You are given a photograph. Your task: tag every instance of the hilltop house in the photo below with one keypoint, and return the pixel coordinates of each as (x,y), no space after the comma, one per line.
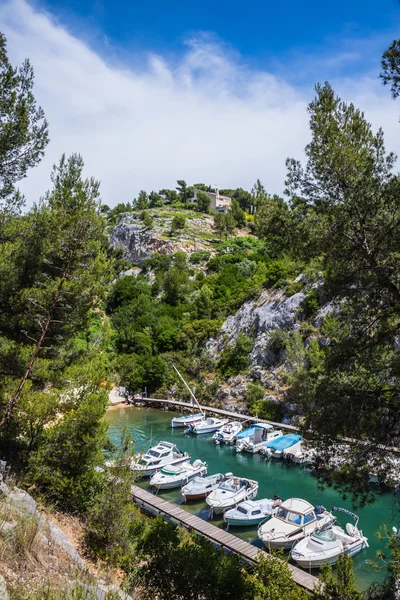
(218,202)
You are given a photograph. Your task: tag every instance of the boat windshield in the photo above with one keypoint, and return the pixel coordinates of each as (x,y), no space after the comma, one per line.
(154,453)
(241,510)
(325,535)
(289,516)
(227,485)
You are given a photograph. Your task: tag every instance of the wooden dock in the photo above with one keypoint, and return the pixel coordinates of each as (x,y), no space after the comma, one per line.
(216,535)
(212,410)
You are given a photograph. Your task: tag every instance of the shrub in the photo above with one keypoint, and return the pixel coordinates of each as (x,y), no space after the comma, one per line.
(246,268)
(200,256)
(294,288)
(178,222)
(310,304)
(235,359)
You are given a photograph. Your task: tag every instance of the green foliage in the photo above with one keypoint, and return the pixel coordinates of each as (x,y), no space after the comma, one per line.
(203,202)
(390,74)
(310,304)
(63,468)
(155,200)
(142,201)
(246,268)
(23,130)
(235,358)
(224,224)
(277,340)
(294,288)
(238,214)
(167,556)
(278,272)
(178,222)
(201,256)
(339,587)
(184,192)
(112,519)
(272,580)
(147,220)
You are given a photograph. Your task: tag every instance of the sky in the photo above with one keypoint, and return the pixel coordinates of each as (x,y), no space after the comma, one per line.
(150,91)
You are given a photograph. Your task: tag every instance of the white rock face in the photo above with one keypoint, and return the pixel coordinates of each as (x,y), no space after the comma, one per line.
(257,319)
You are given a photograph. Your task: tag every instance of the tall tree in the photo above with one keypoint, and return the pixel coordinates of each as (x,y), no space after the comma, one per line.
(350,216)
(142,201)
(390,73)
(23,128)
(57,270)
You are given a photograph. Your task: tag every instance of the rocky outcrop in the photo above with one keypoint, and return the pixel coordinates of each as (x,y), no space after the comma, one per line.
(139,242)
(271,312)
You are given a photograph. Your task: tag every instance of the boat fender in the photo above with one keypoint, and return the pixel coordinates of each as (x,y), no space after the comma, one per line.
(350,529)
(319,509)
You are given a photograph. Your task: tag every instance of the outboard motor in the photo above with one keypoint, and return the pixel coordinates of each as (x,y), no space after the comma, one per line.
(218,438)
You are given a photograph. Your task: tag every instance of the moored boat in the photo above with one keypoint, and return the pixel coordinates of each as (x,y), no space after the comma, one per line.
(173,476)
(187,420)
(164,453)
(201,487)
(229,493)
(208,425)
(275,448)
(294,520)
(326,544)
(227,434)
(253,439)
(252,512)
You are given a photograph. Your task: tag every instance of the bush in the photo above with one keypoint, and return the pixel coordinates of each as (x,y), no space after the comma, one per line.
(178,222)
(310,304)
(294,288)
(201,256)
(235,359)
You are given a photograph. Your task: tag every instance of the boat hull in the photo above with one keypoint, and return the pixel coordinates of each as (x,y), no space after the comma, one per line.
(186,421)
(313,561)
(245,522)
(151,470)
(174,483)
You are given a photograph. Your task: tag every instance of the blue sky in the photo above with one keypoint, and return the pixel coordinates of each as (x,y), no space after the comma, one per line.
(153,91)
(271,35)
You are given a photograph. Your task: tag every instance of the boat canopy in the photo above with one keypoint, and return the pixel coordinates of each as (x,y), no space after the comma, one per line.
(254,428)
(284,441)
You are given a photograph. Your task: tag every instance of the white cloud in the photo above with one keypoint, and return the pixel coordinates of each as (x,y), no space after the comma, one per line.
(208,118)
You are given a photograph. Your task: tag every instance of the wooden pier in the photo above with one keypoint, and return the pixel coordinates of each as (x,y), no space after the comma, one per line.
(217,536)
(212,410)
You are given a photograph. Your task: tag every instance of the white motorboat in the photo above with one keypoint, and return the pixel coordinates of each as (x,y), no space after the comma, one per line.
(325,545)
(276,447)
(252,512)
(154,459)
(173,476)
(187,420)
(229,493)
(254,438)
(209,425)
(294,520)
(227,434)
(201,487)
(300,454)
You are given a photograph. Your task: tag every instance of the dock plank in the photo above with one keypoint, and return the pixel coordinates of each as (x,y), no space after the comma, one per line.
(215,534)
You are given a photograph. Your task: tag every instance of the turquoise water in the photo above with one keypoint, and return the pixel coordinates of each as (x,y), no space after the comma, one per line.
(149,426)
